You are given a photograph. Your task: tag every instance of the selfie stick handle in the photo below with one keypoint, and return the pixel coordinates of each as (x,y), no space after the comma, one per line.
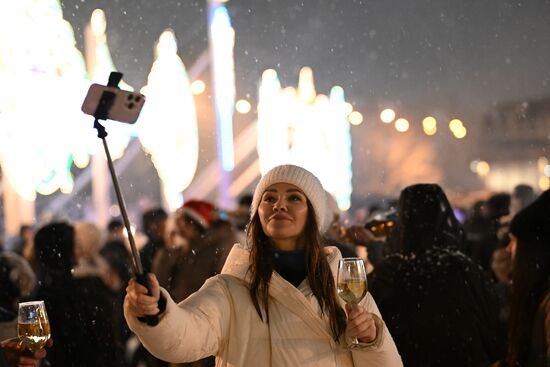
(101,113)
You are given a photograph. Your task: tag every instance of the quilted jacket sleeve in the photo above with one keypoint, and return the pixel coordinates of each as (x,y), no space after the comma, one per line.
(193,329)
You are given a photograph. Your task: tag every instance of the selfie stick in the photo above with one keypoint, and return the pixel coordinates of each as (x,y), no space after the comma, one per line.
(101,113)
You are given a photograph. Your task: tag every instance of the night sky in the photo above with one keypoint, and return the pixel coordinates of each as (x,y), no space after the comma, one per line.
(458,57)
(449,58)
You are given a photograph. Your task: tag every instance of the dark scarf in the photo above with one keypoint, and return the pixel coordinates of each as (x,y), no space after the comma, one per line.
(290,265)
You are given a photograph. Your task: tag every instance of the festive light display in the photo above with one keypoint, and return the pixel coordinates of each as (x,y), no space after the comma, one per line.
(307,129)
(167,126)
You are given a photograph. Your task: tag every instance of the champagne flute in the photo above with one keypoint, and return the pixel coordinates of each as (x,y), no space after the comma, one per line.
(33,327)
(352,284)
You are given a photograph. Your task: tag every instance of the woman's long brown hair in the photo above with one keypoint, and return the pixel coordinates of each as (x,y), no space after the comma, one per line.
(318,271)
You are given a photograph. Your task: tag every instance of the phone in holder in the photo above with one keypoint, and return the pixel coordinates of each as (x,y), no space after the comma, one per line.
(125,108)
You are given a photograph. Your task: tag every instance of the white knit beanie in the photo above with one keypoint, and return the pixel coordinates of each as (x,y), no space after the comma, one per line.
(299,177)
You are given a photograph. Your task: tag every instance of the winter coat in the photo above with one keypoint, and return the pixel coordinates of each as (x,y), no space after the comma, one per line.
(439,307)
(183,272)
(220,319)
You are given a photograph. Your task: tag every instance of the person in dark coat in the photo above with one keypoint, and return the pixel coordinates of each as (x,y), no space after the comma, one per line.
(154,223)
(80,311)
(529,322)
(183,269)
(439,306)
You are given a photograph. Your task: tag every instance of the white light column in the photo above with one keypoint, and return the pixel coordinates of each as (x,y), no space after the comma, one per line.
(221,40)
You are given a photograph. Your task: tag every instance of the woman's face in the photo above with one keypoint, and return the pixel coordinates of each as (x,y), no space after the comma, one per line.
(283,214)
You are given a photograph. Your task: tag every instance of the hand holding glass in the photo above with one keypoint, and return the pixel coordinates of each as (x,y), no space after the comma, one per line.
(33,327)
(352,283)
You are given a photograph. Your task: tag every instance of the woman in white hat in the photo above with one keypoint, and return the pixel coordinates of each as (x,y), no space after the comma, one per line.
(275,301)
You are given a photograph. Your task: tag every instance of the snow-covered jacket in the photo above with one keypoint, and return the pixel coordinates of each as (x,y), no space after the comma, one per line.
(220,319)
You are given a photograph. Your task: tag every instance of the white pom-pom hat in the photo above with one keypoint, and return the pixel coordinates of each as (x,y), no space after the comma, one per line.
(299,177)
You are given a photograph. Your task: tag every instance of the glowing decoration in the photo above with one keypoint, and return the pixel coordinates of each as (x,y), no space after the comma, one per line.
(483,168)
(100,65)
(198,87)
(243,106)
(355,118)
(455,125)
(401,125)
(311,130)
(167,126)
(39,67)
(429,124)
(460,132)
(387,116)
(222,39)
(544,183)
(348,108)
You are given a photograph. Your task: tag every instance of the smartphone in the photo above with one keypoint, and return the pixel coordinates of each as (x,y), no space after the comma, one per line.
(126,106)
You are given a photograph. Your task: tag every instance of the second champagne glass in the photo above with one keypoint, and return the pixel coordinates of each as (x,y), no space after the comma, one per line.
(352,283)
(33,326)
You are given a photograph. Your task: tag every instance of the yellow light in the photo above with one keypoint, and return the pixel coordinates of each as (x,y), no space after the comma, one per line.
(455,124)
(544,183)
(348,108)
(460,132)
(473,166)
(429,123)
(198,87)
(99,23)
(401,125)
(542,162)
(355,118)
(483,168)
(387,116)
(430,131)
(243,106)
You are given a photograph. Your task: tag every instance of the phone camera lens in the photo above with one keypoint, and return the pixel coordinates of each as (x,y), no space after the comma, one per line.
(130,97)
(131,105)
(137,99)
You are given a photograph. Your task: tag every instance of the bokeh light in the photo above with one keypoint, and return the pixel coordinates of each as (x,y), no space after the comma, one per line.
(355,118)
(387,116)
(198,87)
(401,125)
(243,106)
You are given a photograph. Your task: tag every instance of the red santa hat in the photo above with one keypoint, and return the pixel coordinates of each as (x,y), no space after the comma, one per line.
(202,212)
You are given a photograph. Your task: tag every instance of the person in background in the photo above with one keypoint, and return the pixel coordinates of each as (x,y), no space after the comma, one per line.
(116,253)
(153,223)
(80,311)
(529,322)
(17,280)
(439,306)
(275,302)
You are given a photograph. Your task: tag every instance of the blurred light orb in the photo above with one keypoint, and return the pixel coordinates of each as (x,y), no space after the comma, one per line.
(355,118)
(455,124)
(429,123)
(460,132)
(387,116)
(544,183)
(430,131)
(198,87)
(401,125)
(98,22)
(114,211)
(483,168)
(473,166)
(348,108)
(542,162)
(243,106)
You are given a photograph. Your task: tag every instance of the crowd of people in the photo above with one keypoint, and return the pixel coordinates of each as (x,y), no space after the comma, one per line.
(257,286)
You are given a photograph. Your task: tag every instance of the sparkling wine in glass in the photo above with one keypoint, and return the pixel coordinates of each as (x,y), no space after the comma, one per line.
(352,283)
(33,327)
